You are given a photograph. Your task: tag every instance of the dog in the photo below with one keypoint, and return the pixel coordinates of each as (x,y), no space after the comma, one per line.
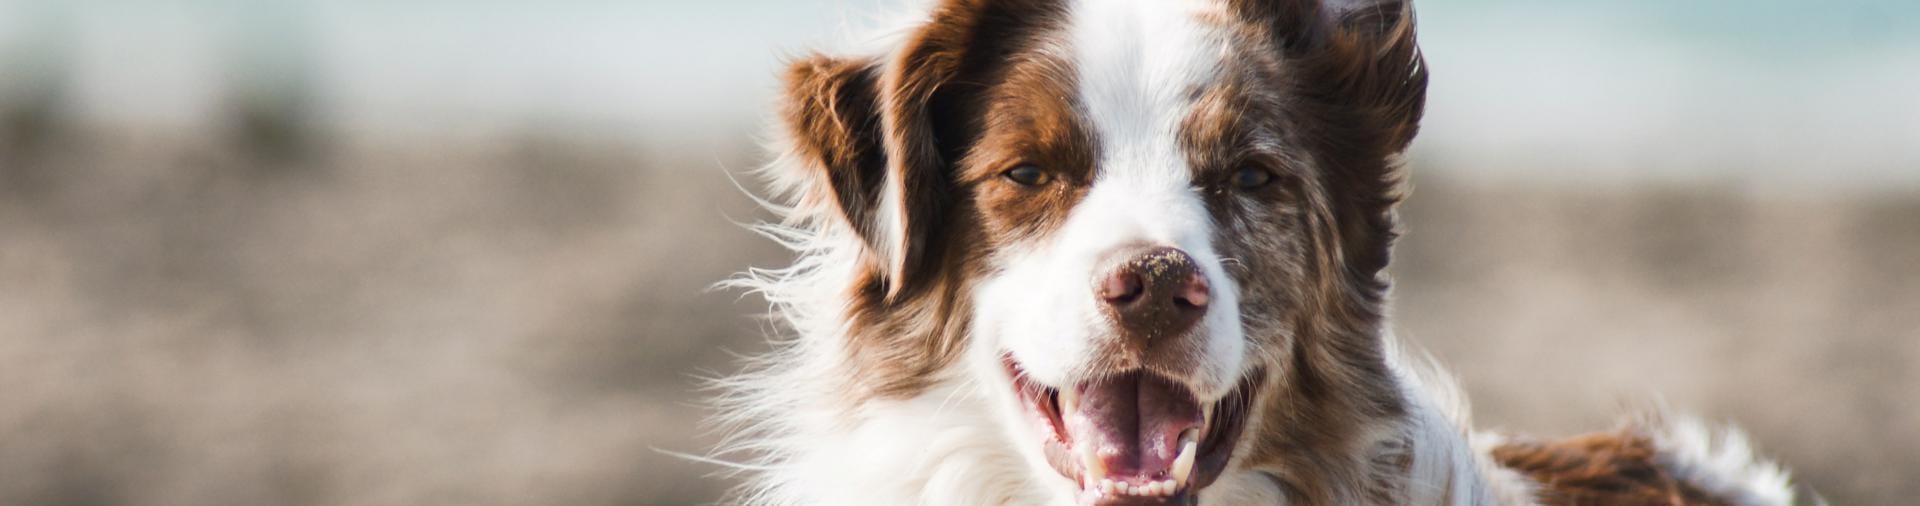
(1107,252)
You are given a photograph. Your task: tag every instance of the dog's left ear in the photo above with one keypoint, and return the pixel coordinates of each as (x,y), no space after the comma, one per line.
(1359,56)
(1374,75)
(1361,72)
(1373,65)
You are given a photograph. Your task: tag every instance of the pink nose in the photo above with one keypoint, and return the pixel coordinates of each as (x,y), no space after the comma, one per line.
(1154,291)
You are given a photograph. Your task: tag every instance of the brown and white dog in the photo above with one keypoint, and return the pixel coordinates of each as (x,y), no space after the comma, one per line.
(1130,252)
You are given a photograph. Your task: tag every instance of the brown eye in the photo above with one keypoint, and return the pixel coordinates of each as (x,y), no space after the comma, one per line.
(1027,175)
(1248,178)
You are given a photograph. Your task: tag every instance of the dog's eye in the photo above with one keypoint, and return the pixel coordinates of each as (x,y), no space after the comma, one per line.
(1027,175)
(1248,178)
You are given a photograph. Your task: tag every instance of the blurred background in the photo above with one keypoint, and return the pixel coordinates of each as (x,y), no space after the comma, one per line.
(458,252)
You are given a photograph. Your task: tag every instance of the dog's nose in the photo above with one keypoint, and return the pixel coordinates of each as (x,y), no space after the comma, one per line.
(1154,291)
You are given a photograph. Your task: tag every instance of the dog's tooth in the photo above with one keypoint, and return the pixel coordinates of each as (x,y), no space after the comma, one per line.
(1069,400)
(1109,486)
(1183,462)
(1167,487)
(1090,461)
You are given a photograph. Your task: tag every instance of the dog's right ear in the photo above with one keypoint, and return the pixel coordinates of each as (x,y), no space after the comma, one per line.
(879,134)
(869,159)
(871,132)
(833,124)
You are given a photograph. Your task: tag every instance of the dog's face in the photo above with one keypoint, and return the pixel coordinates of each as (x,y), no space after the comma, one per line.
(1131,222)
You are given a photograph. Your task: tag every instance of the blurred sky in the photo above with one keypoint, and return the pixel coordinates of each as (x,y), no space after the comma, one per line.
(1774,93)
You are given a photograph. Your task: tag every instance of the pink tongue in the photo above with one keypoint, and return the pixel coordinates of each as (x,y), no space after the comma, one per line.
(1133,423)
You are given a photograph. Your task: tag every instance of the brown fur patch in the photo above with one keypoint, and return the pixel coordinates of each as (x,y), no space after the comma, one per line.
(1614,468)
(830,112)
(1029,119)
(969,83)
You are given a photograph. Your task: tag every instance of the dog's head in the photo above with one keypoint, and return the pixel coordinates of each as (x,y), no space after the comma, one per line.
(1146,227)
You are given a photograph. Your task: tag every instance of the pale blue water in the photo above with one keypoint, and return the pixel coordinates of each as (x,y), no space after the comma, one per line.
(1638,87)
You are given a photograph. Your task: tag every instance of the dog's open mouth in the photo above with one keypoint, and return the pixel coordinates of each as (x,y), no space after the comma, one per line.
(1137,437)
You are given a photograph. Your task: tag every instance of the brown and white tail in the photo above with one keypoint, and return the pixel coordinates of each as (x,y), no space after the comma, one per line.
(1655,459)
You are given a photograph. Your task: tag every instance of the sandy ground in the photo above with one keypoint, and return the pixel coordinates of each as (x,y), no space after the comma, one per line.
(524,321)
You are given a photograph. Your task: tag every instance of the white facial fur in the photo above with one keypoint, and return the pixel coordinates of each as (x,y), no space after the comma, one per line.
(1138,62)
